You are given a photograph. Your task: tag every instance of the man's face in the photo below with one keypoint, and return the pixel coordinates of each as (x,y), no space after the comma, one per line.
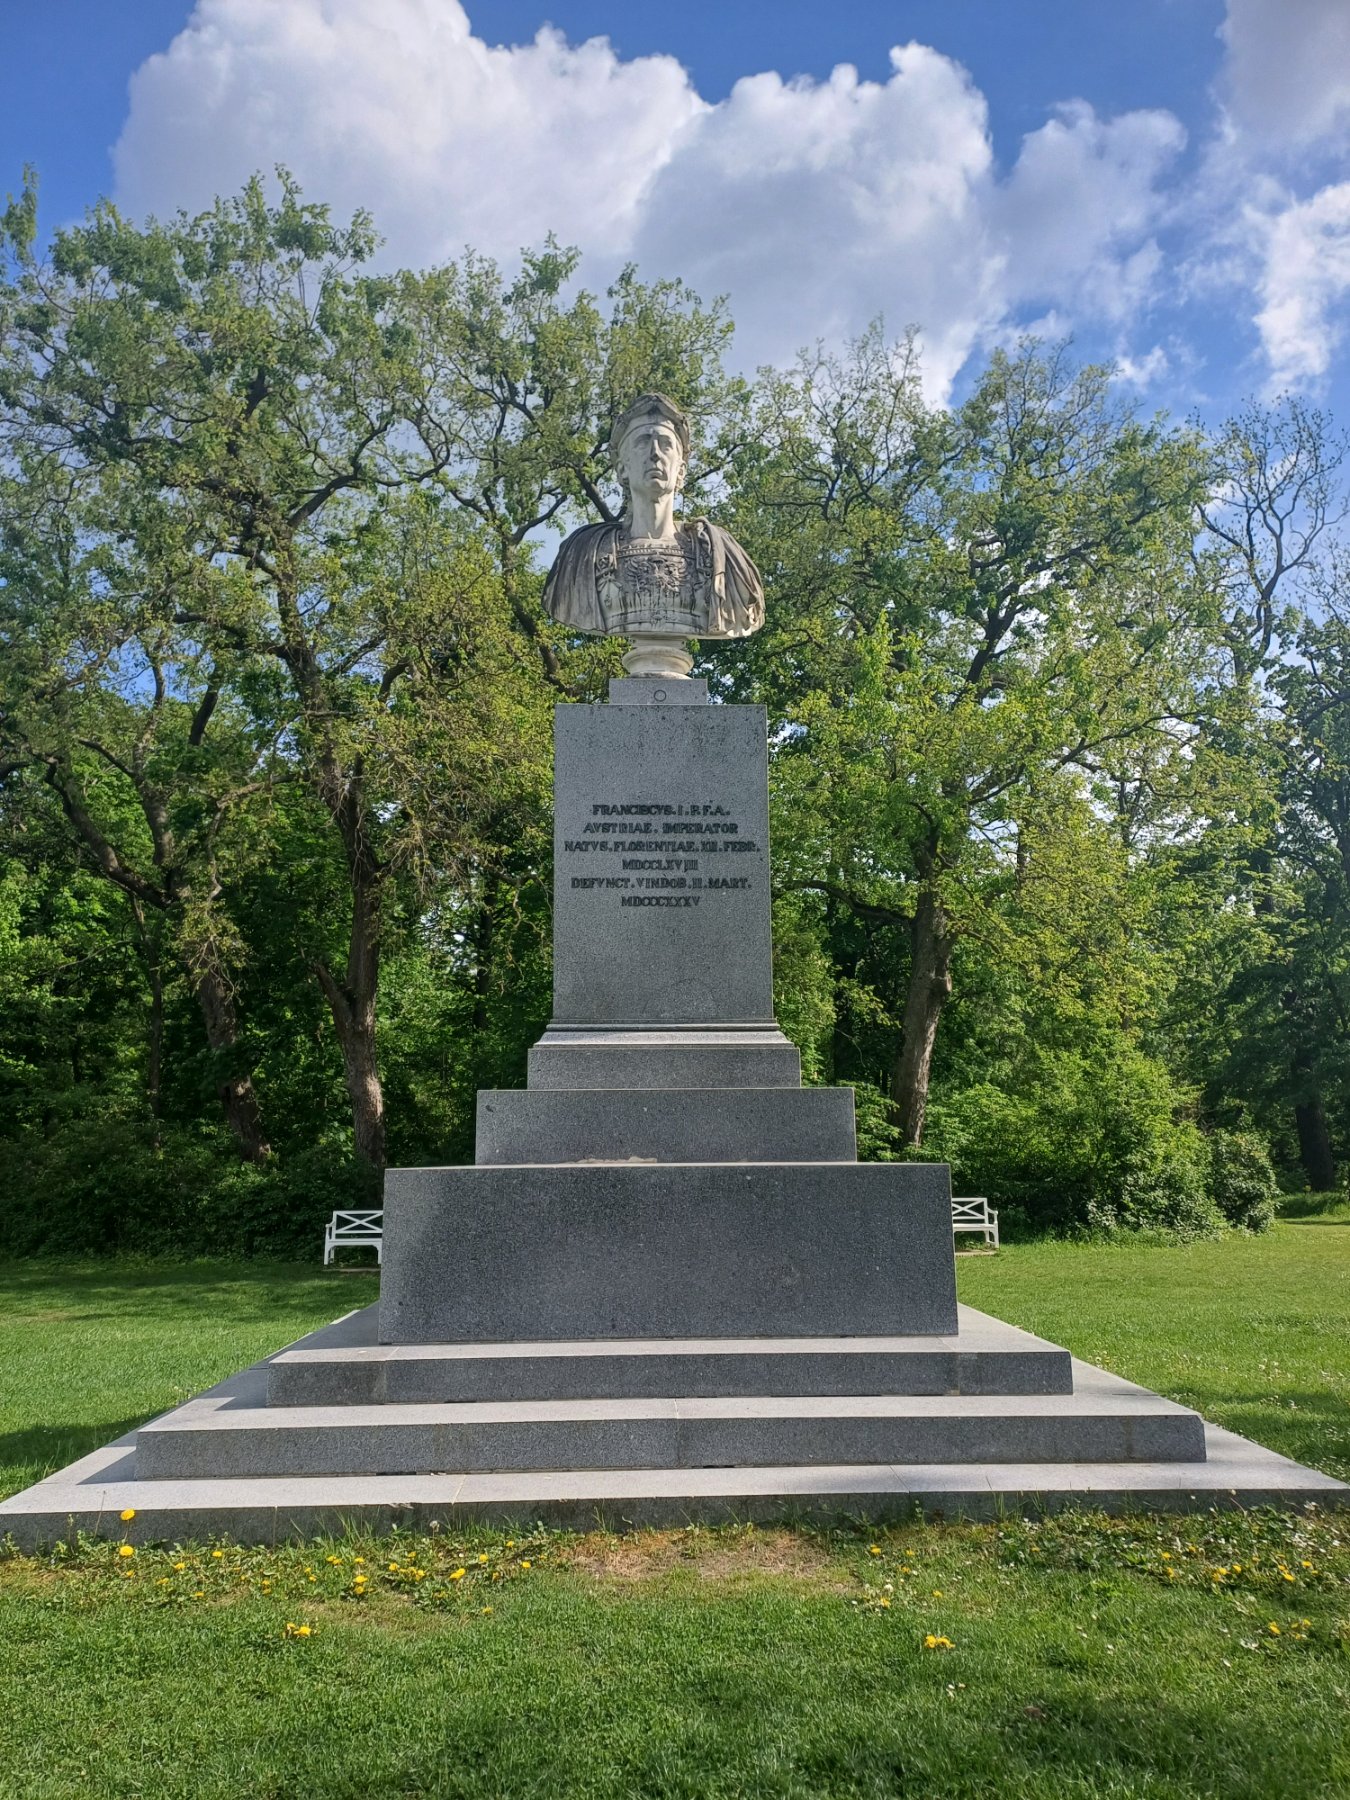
(652,459)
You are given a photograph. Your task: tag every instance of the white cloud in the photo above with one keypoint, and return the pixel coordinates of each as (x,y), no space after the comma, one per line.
(1287,73)
(819,205)
(1080,204)
(1144,371)
(396,106)
(1271,204)
(815,205)
(1306,273)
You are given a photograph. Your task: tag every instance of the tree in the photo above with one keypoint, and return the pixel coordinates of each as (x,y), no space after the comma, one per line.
(123,722)
(992,604)
(229,402)
(335,477)
(1268,545)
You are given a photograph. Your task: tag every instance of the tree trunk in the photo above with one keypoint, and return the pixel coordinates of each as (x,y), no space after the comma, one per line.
(484,935)
(1314,1145)
(352,1004)
(930,986)
(215,997)
(154,1072)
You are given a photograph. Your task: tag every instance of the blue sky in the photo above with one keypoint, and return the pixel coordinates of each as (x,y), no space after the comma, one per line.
(1167,180)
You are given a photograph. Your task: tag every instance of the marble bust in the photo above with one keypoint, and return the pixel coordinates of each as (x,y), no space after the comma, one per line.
(650,577)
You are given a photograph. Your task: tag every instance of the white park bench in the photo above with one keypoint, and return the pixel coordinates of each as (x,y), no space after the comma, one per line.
(976,1215)
(353,1228)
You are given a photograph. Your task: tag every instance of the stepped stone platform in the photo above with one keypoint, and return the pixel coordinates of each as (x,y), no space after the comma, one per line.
(666,1290)
(226,1462)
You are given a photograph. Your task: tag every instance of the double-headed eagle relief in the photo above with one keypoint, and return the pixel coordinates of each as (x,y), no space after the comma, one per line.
(648,576)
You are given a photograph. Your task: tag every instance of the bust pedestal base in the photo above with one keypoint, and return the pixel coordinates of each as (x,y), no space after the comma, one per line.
(667,656)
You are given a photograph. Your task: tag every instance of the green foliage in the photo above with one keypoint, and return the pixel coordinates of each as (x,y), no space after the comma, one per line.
(1075,1143)
(102,1185)
(1056,693)
(1242,1180)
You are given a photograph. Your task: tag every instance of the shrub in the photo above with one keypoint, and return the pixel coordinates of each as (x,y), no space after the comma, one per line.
(103,1186)
(1241,1180)
(1070,1142)
(878,1134)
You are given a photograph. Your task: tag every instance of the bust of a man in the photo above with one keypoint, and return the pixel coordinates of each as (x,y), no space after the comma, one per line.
(648,576)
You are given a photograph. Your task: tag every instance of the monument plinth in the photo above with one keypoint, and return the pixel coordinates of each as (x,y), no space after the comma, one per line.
(666,1290)
(664,1174)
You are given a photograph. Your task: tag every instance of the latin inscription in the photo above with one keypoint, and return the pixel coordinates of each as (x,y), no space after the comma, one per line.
(669,855)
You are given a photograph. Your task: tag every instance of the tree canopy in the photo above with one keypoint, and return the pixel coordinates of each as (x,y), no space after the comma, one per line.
(1057,697)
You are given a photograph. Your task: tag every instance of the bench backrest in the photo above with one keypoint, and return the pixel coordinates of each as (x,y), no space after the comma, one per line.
(357,1224)
(971,1209)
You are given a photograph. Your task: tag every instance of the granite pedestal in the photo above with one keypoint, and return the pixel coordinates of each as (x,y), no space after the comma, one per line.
(666,1290)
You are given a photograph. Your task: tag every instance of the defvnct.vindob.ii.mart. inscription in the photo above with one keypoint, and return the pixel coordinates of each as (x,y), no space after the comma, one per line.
(662,849)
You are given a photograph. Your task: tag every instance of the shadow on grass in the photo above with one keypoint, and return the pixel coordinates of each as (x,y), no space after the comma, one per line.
(703,1728)
(256,1292)
(30,1456)
(1299,1209)
(1310,1428)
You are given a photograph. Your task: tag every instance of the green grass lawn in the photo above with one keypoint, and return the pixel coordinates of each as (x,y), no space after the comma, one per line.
(89,1350)
(1074,1657)
(1254,1332)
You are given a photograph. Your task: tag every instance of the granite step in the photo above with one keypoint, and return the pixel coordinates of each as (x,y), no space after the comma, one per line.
(575,1057)
(92,1494)
(213,1437)
(985,1358)
(674,1125)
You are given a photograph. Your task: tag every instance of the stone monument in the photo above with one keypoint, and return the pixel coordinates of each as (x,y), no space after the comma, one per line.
(664,1150)
(666,1289)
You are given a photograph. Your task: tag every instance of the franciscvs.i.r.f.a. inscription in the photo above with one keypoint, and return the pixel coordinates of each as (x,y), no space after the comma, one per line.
(670,854)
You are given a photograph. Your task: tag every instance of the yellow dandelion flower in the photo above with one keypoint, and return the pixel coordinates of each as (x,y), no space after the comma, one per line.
(874,1550)
(1273,1629)
(127,1512)
(179,1567)
(457,1575)
(937,1593)
(358,1560)
(216,1555)
(884,1601)
(526,1565)
(510,1544)
(126,1550)
(482,1556)
(486,1610)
